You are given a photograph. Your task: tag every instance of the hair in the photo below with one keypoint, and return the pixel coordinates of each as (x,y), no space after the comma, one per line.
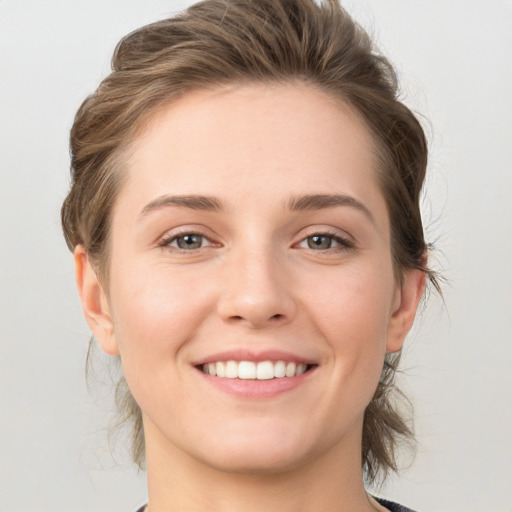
(222,42)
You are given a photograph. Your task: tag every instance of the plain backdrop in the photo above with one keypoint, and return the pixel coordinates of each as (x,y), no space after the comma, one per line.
(454,61)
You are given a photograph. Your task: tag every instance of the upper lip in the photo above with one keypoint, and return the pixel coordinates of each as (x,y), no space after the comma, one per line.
(255,356)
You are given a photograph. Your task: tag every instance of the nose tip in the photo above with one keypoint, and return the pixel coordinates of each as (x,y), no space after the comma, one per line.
(257,319)
(257,296)
(256,314)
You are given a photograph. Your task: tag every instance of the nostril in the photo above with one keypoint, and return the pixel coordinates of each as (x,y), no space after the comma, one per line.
(277,316)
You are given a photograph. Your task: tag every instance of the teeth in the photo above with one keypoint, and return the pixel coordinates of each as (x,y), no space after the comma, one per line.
(280,369)
(247,370)
(221,369)
(231,369)
(264,370)
(290,369)
(301,368)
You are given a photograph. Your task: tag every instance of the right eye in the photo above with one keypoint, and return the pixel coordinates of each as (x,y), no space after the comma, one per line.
(187,241)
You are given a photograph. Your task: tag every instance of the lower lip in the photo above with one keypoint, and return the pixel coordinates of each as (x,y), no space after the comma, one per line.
(257,388)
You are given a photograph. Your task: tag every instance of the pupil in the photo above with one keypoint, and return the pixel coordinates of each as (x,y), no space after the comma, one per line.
(319,242)
(189,242)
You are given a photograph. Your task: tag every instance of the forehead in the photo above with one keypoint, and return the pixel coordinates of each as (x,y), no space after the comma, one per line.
(253,140)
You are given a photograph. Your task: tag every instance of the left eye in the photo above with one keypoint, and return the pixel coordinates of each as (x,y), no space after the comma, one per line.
(188,241)
(322,242)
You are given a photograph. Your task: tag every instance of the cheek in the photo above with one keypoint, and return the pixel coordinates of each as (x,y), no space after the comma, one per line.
(358,303)
(154,312)
(354,317)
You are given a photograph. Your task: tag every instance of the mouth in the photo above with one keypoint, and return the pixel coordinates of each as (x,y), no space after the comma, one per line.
(251,370)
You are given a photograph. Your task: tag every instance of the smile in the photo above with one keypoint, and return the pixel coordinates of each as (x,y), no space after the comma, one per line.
(249,370)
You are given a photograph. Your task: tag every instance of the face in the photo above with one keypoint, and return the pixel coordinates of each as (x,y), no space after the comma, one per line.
(251,291)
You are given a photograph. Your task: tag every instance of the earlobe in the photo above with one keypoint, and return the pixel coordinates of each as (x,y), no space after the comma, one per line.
(402,319)
(94,302)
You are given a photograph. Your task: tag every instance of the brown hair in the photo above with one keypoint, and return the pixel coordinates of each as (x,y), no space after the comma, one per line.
(220,42)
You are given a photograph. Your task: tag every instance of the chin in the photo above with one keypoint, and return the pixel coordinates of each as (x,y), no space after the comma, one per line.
(269,451)
(256,461)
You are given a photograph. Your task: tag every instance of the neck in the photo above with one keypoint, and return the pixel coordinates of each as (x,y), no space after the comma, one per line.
(178,482)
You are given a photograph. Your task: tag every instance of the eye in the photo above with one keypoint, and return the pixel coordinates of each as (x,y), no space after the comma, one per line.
(325,241)
(319,242)
(187,241)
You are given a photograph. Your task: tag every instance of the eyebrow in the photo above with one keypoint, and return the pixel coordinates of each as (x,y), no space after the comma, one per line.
(194,202)
(299,203)
(321,201)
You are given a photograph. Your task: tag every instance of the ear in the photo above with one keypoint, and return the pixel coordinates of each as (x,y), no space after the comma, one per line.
(94,302)
(404,309)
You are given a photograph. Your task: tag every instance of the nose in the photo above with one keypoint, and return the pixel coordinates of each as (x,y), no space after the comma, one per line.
(256,292)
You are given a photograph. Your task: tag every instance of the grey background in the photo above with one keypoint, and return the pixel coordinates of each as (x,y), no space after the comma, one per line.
(455,64)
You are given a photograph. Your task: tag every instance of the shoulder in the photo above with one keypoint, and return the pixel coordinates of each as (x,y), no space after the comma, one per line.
(393,507)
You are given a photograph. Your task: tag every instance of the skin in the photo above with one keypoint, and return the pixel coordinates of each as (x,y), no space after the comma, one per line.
(257,283)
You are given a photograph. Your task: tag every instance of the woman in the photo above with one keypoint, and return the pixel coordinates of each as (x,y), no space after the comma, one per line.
(244,216)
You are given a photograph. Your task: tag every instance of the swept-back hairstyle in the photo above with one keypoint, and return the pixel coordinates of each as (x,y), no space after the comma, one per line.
(220,42)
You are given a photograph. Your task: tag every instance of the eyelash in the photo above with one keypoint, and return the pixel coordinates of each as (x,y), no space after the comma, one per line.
(344,244)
